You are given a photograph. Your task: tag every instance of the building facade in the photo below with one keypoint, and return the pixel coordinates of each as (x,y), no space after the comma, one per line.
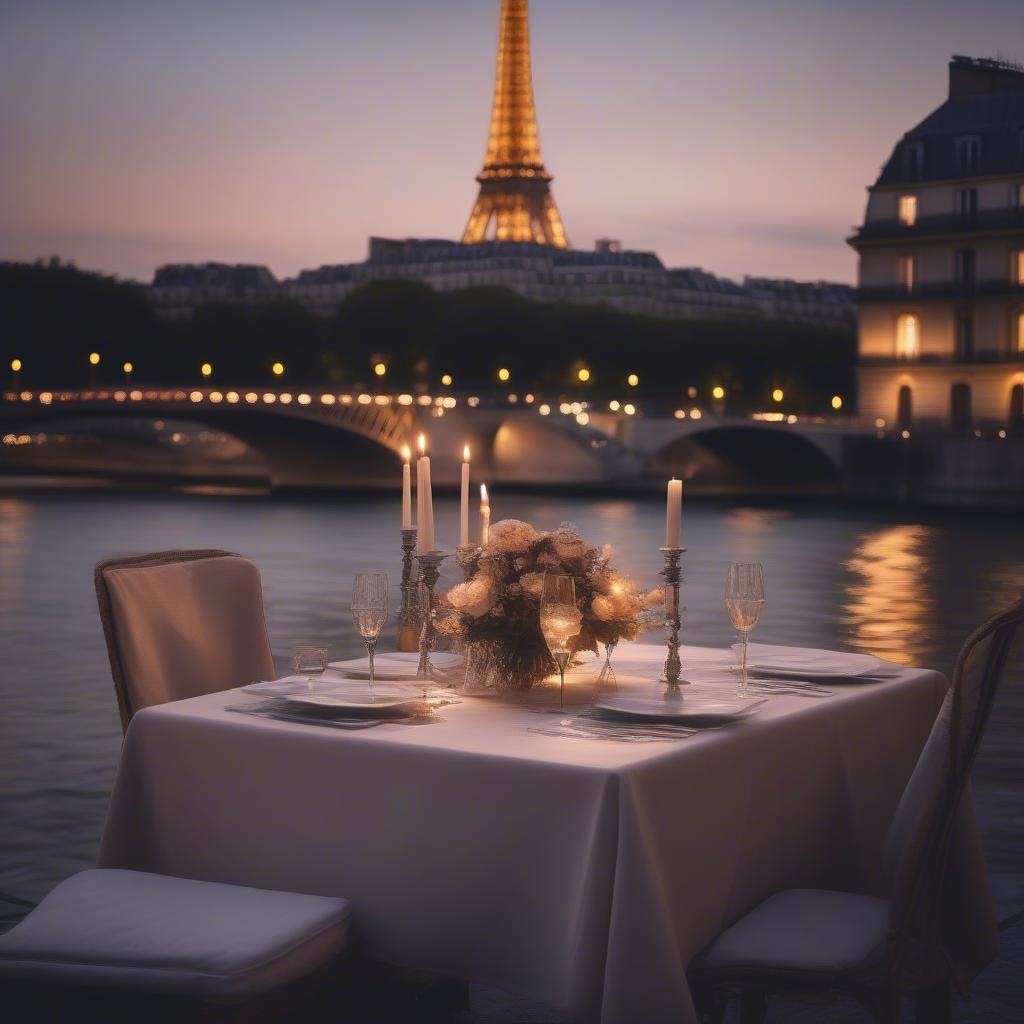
(941,275)
(627,280)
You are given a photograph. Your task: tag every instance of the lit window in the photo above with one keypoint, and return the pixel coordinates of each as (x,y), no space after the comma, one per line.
(905,272)
(1017,268)
(908,210)
(907,336)
(1020,332)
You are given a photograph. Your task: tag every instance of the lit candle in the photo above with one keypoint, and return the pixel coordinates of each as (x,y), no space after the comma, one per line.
(464,509)
(424,502)
(485,516)
(406,489)
(673,513)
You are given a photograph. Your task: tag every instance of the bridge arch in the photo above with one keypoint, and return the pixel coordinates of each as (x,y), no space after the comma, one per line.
(746,454)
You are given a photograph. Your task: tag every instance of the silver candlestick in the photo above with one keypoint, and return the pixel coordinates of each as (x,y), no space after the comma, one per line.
(408,614)
(430,570)
(673,575)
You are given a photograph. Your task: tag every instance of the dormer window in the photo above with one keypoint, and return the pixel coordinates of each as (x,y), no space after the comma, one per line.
(968,153)
(913,160)
(908,209)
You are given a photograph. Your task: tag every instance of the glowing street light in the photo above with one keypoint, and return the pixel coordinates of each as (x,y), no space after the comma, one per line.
(837,402)
(206,369)
(718,392)
(778,395)
(583,375)
(632,380)
(446,380)
(15,366)
(128,368)
(614,405)
(380,369)
(504,374)
(94,359)
(277,369)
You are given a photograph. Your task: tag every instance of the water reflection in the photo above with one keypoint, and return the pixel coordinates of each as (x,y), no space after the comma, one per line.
(889,606)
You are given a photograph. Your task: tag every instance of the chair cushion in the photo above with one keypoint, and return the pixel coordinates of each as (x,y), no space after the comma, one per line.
(133,930)
(804,930)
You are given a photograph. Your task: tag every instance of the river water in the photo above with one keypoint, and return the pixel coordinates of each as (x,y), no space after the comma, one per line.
(907,586)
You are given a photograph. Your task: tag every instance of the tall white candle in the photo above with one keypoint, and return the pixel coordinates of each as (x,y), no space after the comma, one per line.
(424,502)
(673,513)
(485,516)
(464,508)
(406,489)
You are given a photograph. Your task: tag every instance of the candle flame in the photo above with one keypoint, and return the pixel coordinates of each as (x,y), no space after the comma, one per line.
(484,500)
(421,441)
(465,453)
(406,452)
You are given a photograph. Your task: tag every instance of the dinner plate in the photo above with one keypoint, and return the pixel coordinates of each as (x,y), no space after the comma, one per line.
(395,666)
(692,708)
(345,699)
(807,663)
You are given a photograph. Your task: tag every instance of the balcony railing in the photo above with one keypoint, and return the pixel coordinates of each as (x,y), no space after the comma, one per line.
(983,357)
(1009,219)
(940,290)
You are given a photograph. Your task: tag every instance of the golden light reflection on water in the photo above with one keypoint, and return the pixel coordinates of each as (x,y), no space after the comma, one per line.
(12,534)
(889,603)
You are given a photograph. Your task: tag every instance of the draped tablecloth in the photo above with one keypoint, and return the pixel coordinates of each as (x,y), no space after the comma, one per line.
(582,873)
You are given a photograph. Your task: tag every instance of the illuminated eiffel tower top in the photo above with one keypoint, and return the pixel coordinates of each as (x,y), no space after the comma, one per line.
(515,202)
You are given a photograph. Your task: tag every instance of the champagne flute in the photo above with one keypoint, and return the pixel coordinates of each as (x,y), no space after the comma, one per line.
(370,610)
(560,622)
(744,600)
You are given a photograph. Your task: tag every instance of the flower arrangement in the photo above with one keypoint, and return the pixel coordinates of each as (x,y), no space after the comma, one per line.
(498,606)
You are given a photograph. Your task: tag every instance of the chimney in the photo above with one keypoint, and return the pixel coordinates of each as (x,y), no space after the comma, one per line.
(975,76)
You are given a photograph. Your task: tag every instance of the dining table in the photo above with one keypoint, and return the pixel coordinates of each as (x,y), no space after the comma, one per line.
(583,872)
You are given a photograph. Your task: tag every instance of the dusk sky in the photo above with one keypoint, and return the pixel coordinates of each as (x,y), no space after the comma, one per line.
(737,135)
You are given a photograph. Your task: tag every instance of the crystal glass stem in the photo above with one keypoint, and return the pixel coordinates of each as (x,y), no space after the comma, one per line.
(370,647)
(561,659)
(744,635)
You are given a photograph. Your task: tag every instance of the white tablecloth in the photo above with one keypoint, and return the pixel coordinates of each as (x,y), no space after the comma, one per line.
(583,873)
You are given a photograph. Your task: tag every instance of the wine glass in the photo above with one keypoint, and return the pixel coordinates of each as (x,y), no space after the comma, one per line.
(606,681)
(370,610)
(309,659)
(560,622)
(744,600)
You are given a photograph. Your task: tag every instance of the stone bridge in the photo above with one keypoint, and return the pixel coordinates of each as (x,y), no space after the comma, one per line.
(326,439)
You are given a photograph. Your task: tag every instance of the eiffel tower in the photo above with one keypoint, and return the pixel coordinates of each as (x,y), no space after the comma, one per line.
(515,189)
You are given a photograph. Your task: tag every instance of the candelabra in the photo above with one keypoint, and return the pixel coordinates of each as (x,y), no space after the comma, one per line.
(408,614)
(673,575)
(430,570)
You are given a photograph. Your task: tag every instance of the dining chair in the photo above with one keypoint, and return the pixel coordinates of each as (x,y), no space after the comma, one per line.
(180,624)
(873,949)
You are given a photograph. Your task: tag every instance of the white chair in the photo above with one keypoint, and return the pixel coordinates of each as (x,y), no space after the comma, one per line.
(180,624)
(872,949)
(104,935)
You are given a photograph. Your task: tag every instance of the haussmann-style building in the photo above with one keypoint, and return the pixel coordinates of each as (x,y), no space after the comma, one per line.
(941,279)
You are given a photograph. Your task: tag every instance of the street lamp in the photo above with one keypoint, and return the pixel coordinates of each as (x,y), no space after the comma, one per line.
(277,369)
(632,380)
(206,370)
(446,380)
(15,372)
(778,395)
(583,374)
(503,374)
(718,392)
(837,403)
(128,368)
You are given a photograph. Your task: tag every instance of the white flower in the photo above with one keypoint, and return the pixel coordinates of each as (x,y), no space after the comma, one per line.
(475,597)
(512,536)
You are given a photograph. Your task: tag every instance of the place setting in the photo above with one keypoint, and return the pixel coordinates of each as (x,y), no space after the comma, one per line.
(356,693)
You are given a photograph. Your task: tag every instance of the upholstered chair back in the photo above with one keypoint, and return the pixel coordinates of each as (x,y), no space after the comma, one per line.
(918,839)
(180,624)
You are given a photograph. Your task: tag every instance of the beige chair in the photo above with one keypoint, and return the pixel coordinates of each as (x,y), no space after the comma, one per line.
(180,624)
(871,948)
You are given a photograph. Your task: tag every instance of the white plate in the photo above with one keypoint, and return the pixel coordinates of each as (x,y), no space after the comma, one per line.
(397,666)
(807,663)
(325,698)
(688,708)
